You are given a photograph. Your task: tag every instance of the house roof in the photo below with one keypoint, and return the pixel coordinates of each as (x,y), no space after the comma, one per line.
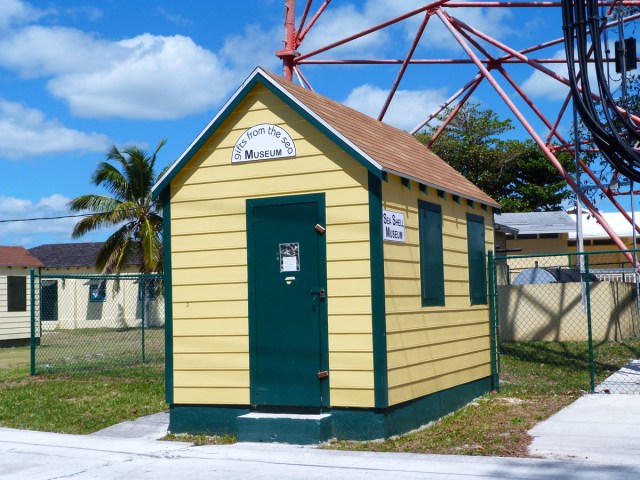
(592,229)
(67,255)
(378,146)
(538,222)
(17,257)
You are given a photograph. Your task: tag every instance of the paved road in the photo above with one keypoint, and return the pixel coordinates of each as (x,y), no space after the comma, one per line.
(36,455)
(595,438)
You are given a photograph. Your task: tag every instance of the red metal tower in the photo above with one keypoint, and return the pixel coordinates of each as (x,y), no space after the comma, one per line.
(479,49)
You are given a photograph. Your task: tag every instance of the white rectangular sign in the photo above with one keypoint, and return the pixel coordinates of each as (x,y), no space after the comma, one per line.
(393,226)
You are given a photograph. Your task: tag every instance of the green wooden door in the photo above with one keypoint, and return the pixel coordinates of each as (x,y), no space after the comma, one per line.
(287,279)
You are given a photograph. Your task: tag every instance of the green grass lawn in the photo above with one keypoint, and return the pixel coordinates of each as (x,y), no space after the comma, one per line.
(537,379)
(79,401)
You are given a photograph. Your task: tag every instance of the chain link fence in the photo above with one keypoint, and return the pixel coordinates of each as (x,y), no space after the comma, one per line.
(96,321)
(575,315)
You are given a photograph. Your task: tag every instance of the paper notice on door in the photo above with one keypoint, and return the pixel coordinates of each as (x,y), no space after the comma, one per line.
(289,264)
(289,257)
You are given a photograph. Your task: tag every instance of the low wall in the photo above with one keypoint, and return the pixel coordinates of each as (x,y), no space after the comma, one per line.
(555,312)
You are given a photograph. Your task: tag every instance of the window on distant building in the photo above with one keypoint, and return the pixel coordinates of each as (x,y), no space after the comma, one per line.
(98,291)
(16,294)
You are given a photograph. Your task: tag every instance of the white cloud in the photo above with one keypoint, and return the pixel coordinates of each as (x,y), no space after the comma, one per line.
(157,78)
(17,12)
(408,108)
(50,230)
(144,77)
(337,23)
(22,233)
(38,51)
(27,132)
(541,85)
(253,47)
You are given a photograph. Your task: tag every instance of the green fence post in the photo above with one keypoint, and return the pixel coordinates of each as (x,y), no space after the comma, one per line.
(495,380)
(32,340)
(144,298)
(589,330)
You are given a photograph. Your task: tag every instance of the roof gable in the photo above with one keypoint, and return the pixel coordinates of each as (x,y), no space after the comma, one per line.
(377,146)
(17,257)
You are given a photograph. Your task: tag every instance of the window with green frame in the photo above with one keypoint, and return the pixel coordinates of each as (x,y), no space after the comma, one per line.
(431,255)
(477,262)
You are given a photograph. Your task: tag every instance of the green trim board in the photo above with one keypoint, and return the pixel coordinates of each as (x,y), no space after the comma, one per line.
(261,374)
(205,419)
(378,313)
(477,260)
(431,254)
(341,423)
(168,294)
(259,77)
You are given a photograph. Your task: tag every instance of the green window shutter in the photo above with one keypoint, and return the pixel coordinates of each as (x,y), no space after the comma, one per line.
(16,294)
(477,262)
(431,256)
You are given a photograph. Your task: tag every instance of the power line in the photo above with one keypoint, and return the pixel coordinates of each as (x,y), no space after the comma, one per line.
(35,219)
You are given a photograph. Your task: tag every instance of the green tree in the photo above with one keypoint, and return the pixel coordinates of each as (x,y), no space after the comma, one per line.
(514,172)
(128,177)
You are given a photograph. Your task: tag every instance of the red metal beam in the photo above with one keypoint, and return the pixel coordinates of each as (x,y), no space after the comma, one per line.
(452,115)
(549,154)
(405,64)
(312,22)
(304,18)
(302,77)
(375,28)
(288,53)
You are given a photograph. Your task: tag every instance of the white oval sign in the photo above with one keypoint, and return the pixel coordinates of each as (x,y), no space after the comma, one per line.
(263,142)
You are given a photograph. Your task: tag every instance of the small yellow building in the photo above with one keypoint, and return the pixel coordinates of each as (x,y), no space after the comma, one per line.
(325,274)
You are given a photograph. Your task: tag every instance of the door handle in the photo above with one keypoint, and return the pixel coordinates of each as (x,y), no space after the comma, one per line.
(320,292)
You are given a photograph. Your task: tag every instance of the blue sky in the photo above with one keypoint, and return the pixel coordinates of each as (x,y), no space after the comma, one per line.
(77,77)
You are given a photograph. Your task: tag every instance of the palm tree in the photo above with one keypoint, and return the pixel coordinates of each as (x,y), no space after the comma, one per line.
(128,175)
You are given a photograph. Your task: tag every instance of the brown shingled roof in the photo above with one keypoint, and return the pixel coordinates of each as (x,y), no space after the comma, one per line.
(395,150)
(69,255)
(17,257)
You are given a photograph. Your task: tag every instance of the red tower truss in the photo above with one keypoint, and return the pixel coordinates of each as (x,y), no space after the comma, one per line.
(491,62)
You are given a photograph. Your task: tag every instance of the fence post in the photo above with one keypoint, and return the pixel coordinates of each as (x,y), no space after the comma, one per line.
(32,340)
(495,380)
(144,300)
(589,329)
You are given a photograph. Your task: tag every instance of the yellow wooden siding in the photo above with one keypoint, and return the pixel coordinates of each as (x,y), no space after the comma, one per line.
(432,348)
(209,258)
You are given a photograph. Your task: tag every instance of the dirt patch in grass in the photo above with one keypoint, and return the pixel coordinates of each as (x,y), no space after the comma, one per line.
(199,440)
(14,357)
(493,425)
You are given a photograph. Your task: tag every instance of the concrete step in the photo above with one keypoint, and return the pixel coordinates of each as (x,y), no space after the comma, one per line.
(284,428)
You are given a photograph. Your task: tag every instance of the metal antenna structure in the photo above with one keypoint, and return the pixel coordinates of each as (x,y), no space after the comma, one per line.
(486,65)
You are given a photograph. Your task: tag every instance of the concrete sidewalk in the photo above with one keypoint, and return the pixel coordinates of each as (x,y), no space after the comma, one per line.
(596,428)
(40,456)
(596,438)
